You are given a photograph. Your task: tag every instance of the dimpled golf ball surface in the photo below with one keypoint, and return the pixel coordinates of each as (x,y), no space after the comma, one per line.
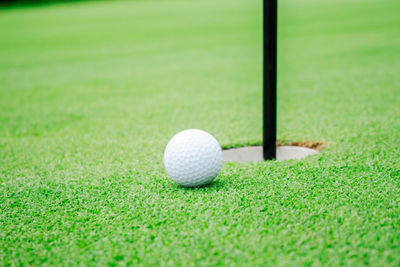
(193,158)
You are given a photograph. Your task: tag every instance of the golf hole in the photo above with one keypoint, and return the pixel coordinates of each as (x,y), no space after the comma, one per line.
(292,150)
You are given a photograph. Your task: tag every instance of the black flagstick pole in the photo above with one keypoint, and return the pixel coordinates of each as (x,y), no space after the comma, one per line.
(269,78)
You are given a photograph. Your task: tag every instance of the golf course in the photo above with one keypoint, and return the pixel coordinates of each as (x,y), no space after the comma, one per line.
(92,91)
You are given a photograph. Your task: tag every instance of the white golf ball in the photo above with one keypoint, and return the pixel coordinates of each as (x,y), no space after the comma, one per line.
(193,158)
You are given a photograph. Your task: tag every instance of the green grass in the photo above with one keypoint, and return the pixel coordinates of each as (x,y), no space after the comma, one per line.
(90,93)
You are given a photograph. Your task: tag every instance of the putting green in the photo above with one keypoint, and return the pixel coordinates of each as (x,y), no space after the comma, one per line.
(91,92)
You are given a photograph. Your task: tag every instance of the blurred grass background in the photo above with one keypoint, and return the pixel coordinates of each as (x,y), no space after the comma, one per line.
(33,3)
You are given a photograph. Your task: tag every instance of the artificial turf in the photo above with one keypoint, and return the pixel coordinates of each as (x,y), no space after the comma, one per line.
(91,92)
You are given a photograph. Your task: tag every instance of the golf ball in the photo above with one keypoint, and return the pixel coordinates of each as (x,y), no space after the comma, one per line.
(193,158)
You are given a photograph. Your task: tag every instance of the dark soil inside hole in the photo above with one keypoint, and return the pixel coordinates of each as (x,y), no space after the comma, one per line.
(316,145)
